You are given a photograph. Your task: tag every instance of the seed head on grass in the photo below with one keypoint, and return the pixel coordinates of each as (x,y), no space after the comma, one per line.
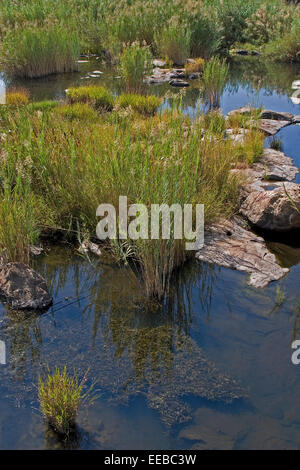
(60,396)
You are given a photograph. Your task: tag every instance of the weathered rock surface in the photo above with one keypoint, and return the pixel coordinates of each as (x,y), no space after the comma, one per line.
(237,135)
(242,110)
(277,210)
(276,116)
(231,245)
(23,288)
(272,126)
(159,63)
(275,166)
(296,120)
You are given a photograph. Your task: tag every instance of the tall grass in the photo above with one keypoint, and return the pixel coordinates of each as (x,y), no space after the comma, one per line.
(287,47)
(135,63)
(60,396)
(33,53)
(174,42)
(214,80)
(66,168)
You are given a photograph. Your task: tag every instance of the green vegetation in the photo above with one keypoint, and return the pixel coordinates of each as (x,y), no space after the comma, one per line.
(214,80)
(17,97)
(96,96)
(280,296)
(135,63)
(57,166)
(41,37)
(60,396)
(33,52)
(146,105)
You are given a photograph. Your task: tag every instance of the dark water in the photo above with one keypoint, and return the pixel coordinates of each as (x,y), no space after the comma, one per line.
(211,368)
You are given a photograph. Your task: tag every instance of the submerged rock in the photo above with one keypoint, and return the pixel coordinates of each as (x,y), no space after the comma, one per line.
(179,83)
(23,288)
(277,210)
(230,244)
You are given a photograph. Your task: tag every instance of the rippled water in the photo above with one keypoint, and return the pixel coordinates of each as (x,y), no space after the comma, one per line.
(211,368)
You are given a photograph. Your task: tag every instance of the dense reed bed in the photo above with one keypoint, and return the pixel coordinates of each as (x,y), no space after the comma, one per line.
(58,163)
(40,37)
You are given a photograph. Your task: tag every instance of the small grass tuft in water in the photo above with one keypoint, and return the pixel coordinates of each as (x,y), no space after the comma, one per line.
(60,396)
(135,63)
(197,66)
(276,143)
(97,96)
(214,79)
(280,296)
(146,105)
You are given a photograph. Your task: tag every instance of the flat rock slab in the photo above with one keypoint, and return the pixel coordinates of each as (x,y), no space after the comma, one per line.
(277,210)
(272,126)
(22,288)
(231,245)
(242,110)
(276,116)
(296,120)
(275,166)
(179,83)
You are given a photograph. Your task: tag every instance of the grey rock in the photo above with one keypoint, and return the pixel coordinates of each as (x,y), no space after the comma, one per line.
(276,116)
(242,110)
(274,210)
(231,245)
(296,120)
(272,126)
(23,288)
(159,63)
(179,83)
(275,166)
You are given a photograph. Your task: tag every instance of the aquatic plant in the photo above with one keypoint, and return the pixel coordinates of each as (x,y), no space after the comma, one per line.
(37,52)
(174,42)
(214,80)
(280,296)
(146,105)
(60,396)
(43,105)
(276,143)
(96,96)
(135,63)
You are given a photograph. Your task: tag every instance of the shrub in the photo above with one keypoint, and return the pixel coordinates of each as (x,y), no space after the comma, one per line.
(214,80)
(286,48)
(146,105)
(36,52)
(205,33)
(96,96)
(17,97)
(135,62)
(174,42)
(60,396)
(197,66)
(79,111)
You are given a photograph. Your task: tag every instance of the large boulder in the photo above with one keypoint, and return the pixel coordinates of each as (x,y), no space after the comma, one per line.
(272,126)
(276,116)
(278,209)
(23,288)
(228,243)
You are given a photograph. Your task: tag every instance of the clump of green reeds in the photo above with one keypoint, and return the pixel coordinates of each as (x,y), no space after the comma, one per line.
(214,80)
(146,105)
(37,52)
(81,111)
(97,96)
(60,396)
(135,63)
(43,105)
(174,42)
(195,66)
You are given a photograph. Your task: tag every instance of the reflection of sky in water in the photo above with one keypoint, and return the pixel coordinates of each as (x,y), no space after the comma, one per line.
(134,353)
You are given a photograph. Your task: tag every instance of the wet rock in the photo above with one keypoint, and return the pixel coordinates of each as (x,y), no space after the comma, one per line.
(242,52)
(277,210)
(23,288)
(179,83)
(193,76)
(272,126)
(276,116)
(232,245)
(296,120)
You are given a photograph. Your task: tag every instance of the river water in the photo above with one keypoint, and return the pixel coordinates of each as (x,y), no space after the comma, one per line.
(211,368)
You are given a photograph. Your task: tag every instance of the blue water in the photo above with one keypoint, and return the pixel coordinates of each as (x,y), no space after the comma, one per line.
(157,371)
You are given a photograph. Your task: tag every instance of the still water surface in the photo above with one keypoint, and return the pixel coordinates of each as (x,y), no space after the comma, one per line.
(211,368)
